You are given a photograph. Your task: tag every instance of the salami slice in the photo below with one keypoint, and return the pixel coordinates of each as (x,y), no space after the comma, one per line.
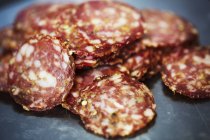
(41,73)
(115,106)
(87,77)
(187,72)
(165,29)
(4,67)
(103,28)
(47,19)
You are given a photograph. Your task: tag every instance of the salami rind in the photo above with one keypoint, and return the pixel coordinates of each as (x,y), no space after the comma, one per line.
(116,106)
(4,68)
(165,29)
(86,78)
(187,72)
(41,73)
(101,29)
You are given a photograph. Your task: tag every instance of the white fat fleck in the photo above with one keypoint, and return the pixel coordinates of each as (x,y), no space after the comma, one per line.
(105,122)
(136,16)
(173,74)
(121,22)
(57,48)
(110,11)
(56,41)
(75,94)
(111,90)
(169,66)
(96,73)
(96,41)
(127,128)
(64,65)
(56,56)
(27,50)
(42,22)
(115,77)
(116,104)
(182,66)
(45,32)
(163,24)
(46,80)
(138,59)
(89,48)
(136,117)
(19,57)
(110,110)
(66,57)
(37,63)
(56,63)
(148,113)
(202,60)
(110,41)
(96,21)
(32,76)
(32,41)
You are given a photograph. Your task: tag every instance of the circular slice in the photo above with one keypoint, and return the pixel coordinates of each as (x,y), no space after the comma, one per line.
(187,72)
(165,29)
(115,106)
(41,73)
(102,28)
(85,78)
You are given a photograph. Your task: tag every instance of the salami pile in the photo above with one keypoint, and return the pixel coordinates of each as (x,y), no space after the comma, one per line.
(90,57)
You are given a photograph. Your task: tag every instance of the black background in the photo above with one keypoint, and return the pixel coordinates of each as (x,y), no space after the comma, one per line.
(178,118)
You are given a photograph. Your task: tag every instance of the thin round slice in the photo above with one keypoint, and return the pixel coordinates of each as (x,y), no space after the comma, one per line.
(115,106)
(85,78)
(187,72)
(165,29)
(47,19)
(103,28)
(41,73)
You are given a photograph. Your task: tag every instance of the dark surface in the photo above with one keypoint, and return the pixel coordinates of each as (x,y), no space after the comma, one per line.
(178,118)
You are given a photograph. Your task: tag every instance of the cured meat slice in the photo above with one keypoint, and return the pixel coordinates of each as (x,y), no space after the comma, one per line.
(102,28)
(4,67)
(41,73)
(187,72)
(87,77)
(115,106)
(47,19)
(165,29)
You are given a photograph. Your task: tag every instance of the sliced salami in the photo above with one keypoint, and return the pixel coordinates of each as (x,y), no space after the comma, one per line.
(165,29)
(87,77)
(47,19)
(115,106)
(103,28)
(4,68)
(41,73)
(187,72)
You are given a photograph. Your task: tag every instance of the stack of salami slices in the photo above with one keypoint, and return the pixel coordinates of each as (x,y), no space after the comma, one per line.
(90,57)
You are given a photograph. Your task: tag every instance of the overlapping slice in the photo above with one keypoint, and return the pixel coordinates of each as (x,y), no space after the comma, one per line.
(85,78)
(115,106)
(165,29)
(47,19)
(101,29)
(40,73)
(187,72)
